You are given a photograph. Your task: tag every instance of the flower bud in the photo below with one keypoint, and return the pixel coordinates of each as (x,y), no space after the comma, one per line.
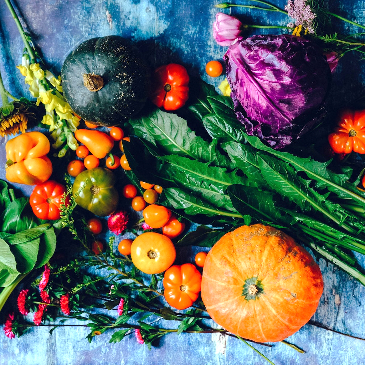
(226,29)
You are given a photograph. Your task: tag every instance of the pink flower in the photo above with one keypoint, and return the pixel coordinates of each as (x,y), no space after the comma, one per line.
(301,13)
(45,278)
(226,29)
(145,226)
(65,304)
(45,297)
(120,307)
(139,338)
(8,327)
(37,319)
(332,60)
(117,222)
(22,297)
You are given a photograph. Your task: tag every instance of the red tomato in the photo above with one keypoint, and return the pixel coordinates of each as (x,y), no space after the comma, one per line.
(116,133)
(129,191)
(173,227)
(170,88)
(182,285)
(95,226)
(214,68)
(200,258)
(111,165)
(46,200)
(82,151)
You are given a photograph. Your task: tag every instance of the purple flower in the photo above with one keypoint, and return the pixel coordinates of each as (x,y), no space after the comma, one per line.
(226,29)
(145,226)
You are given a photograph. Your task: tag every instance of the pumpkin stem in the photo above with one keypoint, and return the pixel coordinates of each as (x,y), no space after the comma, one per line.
(252,288)
(93,82)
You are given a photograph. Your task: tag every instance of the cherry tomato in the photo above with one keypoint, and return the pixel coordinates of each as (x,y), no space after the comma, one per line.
(82,151)
(145,185)
(91,162)
(109,161)
(75,167)
(138,203)
(150,196)
(182,285)
(91,125)
(46,200)
(158,188)
(214,68)
(156,216)
(129,191)
(116,133)
(128,139)
(95,226)
(200,258)
(124,246)
(124,163)
(97,247)
(153,253)
(173,227)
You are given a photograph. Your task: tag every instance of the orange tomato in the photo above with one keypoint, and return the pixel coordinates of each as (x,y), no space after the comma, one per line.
(116,133)
(182,285)
(158,188)
(145,185)
(97,247)
(75,167)
(109,162)
(150,196)
(95,226)
(128,139)
(125,246)
(156,216)
(200,258)
(82,151)
(91,162)
(153,253)
(138,203)
(173,227)
(214,68)
(124,163)
(129,191)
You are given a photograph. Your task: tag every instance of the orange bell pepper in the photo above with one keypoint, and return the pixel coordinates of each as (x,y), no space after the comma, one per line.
(98,143)
(27,162)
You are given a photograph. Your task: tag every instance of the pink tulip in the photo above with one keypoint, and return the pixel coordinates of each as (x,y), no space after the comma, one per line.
(226,29)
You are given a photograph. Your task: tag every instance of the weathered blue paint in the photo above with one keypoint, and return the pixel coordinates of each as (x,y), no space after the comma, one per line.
(176,31)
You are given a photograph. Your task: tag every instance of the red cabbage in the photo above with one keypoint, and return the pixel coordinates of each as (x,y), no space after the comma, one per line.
(278,83)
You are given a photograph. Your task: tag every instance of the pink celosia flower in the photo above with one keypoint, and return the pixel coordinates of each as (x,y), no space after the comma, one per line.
(139,336)
(45,278)
(301,13)
(65,304)
(8,326)
(117,222)
(120,307)
(145,226)
(226,29)
(22,297)
(37,319)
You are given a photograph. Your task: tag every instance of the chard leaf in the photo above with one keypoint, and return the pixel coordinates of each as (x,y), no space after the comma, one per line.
(221,128)
(47,247)
(180,199)
(26,255)
(26,235)
(318,171)
(7,275)
(6,256)
(203,236)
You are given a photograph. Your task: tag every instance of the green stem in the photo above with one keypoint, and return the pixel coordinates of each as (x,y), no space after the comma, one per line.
(3,93)
(344,19)
(4,295)
(271,7)
(21,31)
(266,26)
(261,354)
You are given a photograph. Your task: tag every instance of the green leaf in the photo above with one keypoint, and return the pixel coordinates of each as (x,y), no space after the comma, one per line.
(5,111)
(168,314)
(202,106)
(118,335)
(203,236)
(186,323)
(26,235)
(7,275)
(6,256)
(47,247)
(124,318)
(26,255)
(5,197)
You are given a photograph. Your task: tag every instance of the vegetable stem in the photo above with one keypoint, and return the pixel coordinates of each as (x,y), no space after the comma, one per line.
(344,19)
(4,295)
(261,354)
(270,6)
(3,93)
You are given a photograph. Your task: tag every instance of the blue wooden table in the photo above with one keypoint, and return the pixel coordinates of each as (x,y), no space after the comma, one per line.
(176,31)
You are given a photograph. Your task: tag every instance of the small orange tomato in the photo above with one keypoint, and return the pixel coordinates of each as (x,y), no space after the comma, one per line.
(82,151)
(128,139)
(124,246)
(145,185)
(116,133)
(153,253)
(138,203)
(150,196)
(91,125)
(129,191)
(158,188)
(75,167)
(112,163)
(173,227)
(214,68)
(182,285)
(200,258)
(124,163)
(97,247)
(156,216)
(91,162)
(95,226)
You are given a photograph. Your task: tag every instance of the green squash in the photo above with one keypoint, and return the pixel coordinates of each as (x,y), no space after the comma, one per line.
(105,80)
(94,190)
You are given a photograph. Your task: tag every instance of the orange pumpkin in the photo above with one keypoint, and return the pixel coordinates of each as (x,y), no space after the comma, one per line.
(258,283)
